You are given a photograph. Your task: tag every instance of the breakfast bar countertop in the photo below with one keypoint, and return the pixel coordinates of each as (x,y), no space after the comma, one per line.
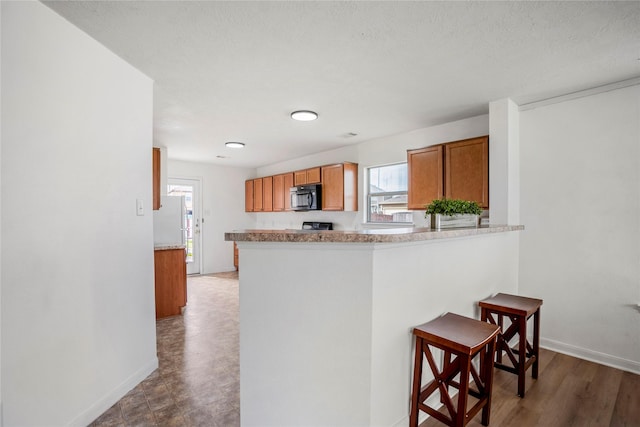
(386,235)
(167,247)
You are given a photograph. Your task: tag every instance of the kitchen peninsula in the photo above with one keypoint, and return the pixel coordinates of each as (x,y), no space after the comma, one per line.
(326,317)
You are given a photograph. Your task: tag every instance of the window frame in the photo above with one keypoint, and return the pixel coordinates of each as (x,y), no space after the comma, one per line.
(369,195)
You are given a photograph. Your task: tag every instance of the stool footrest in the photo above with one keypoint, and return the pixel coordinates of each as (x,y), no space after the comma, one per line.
(435,414)
(513,370)
(475,393)
(505,368)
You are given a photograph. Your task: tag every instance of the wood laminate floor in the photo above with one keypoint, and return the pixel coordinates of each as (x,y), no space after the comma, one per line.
(568,392)
(197,382)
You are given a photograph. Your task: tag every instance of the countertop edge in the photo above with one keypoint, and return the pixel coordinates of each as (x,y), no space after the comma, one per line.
(363,236)
(167,247)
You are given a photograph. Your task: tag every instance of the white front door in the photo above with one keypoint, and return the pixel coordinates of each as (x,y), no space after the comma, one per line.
(190,189)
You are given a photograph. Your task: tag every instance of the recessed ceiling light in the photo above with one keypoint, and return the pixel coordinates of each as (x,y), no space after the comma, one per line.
(304,115)
(234,144)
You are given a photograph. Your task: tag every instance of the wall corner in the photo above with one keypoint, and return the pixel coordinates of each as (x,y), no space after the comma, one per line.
(504,161)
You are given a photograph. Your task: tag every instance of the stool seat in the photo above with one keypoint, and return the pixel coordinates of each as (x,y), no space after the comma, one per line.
(518,309)
(463,338)
(512,304)
(458,333)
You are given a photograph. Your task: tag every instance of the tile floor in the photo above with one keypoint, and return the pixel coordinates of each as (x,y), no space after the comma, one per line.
(198,379)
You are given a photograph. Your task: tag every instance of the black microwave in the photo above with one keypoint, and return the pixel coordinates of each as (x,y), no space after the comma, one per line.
(306,198)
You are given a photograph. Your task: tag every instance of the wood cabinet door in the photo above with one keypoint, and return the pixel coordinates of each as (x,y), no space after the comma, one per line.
(466,166)
(333,188)
(426,180)
(257,195)
(350,187)
(156,177)
(170,282)
(236,257)
(300,177)
(248,196)
(287,184)
(267,194)
(278,193)
(313,176)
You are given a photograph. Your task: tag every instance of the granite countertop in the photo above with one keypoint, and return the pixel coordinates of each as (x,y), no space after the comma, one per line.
(166,247)
(387,235)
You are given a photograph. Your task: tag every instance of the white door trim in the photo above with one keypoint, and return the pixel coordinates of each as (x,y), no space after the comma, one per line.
(198,213)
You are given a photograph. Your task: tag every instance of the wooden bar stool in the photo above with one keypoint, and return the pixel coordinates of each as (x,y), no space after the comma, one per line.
(463,338)
(518,309)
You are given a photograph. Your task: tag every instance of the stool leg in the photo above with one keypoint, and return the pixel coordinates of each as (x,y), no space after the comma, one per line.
(500,341)
(536,343)
(487,377)
(463,391)
(417,378)
(522,353)
(445,364)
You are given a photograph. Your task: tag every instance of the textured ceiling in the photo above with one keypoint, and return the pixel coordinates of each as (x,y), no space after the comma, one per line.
(233,71)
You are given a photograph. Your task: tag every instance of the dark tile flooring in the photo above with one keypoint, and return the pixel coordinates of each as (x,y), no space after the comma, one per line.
(198,379)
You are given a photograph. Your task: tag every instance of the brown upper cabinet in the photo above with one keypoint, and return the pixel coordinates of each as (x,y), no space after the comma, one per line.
(281,185)
(424,168)
(267,194)
(456,170)
(340,187)
(257,195)
(307,176)
(466,170)
(288,183)
(248,195)
(271,193)
(156,177)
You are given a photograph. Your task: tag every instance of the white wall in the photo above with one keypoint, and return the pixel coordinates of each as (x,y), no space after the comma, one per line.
(0,234)
(580,198)
(504,161)
(388,150)
(305,345)
(223,208)
(78,323)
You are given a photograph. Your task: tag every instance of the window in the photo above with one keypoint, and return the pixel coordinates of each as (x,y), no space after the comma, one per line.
(387,195)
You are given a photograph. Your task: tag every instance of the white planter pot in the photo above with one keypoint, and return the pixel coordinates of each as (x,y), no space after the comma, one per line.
(439,221)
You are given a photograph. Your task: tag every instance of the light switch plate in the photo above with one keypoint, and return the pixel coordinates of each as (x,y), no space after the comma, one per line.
(139,207)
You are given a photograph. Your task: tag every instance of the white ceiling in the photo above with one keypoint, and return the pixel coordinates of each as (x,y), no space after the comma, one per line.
(233,71)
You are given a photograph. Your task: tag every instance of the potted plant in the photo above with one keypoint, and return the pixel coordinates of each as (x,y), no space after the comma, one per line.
(453,213)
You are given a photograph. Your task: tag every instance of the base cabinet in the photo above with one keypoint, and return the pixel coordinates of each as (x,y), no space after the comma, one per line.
(236,256)
(170,281)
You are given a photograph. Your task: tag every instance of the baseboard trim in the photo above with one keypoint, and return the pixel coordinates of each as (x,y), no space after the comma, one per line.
(106,402)
(591,356)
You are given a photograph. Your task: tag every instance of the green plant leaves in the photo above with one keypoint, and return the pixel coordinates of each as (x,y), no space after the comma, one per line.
(453,206)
